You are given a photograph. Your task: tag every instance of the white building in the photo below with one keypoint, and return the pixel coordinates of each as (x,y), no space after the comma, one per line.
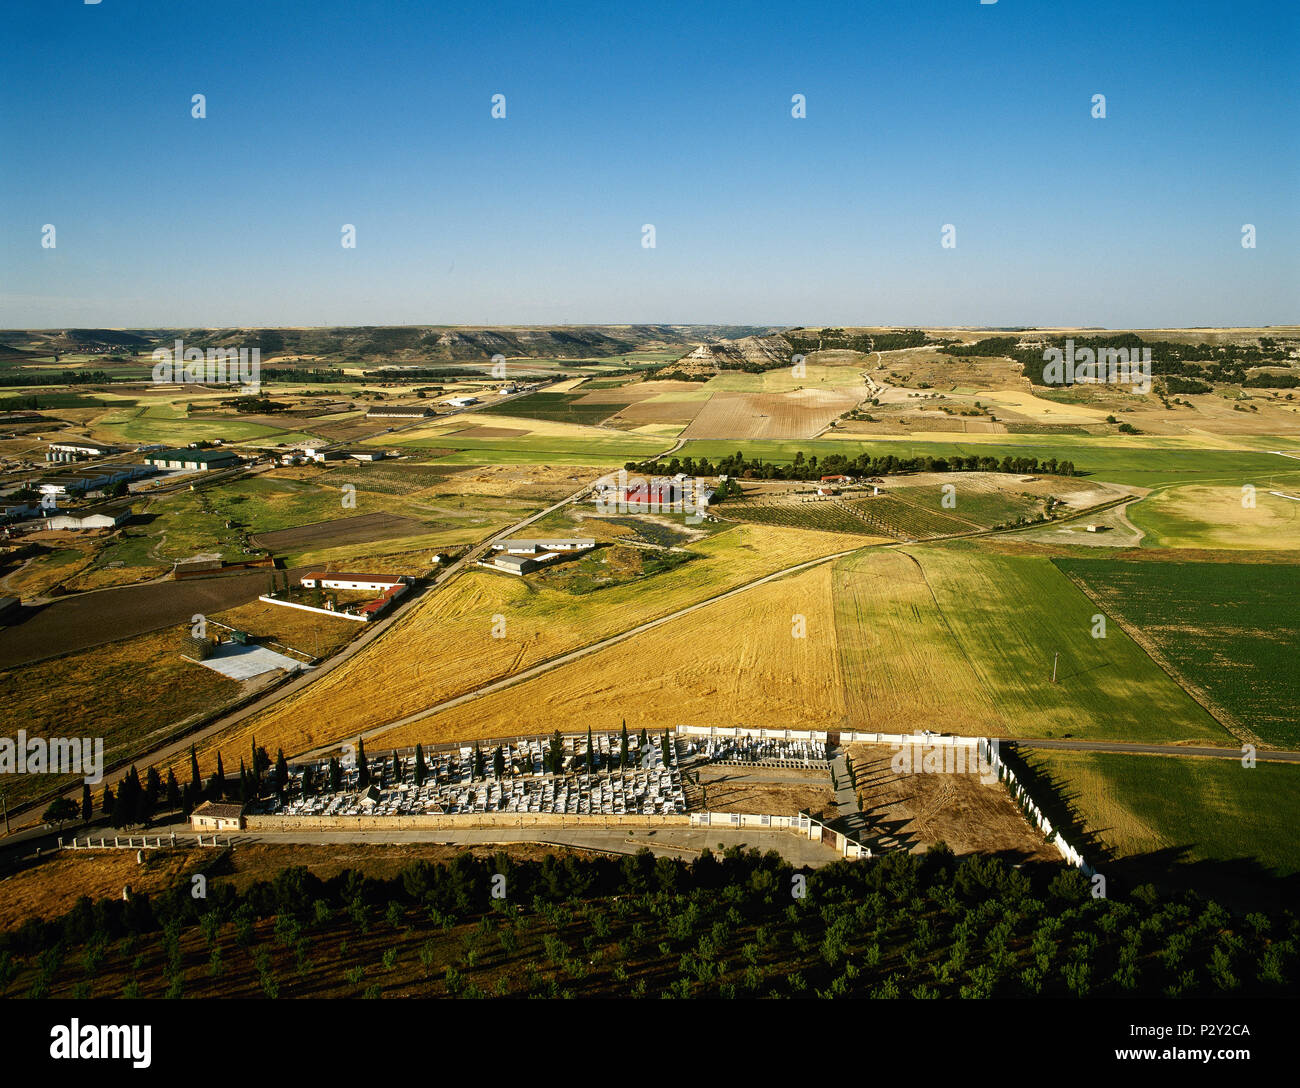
(107,515)
(344,580)
(462,402)
(519,546)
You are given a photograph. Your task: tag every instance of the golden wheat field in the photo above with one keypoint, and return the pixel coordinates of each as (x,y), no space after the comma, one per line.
(903,670)
(765,658)
(484,625)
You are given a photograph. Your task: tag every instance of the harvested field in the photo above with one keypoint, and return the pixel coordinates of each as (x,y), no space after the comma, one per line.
(902,670)
(326,534)
(1205,516)
(798,414)
(747,667)
(915,811)
(445,646)
(93,619)
(489,432)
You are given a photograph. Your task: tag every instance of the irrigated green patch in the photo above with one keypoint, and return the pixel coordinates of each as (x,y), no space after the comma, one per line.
(561,407)
(1012,615)
(1229,631)
(1213,809)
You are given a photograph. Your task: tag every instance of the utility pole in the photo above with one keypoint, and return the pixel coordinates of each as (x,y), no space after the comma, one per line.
(1055,657)
(5,804)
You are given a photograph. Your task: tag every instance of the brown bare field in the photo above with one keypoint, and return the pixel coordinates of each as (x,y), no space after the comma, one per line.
(915,811)
(445,645)
(657,411)
(798,414)
(734,789)
(736,662)
(92,619)
(363,529)
(52,886)
(538,482)
(107,577)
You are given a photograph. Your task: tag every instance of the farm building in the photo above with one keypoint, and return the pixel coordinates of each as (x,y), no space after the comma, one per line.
(553,544)
(194,460)
(366,455)
(17,510)
(399,411)
(520,564)
(657,495)
(104,515)
(837,479)
(462,402)
(344,580)
(74,449)
(322,456)
(211,816)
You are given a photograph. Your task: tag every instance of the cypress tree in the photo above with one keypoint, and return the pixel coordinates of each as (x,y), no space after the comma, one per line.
(622,750)
(221,780)
(196,782)
(87,808)
(281,771)
(480,766)
(173,791)
(591,753)
(420,769)
(397,769)
(363,769)
(109,801)
(499,763)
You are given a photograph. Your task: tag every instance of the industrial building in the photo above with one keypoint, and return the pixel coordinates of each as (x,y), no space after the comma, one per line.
(193,460)
(104,515)
(344,580)
(77,449)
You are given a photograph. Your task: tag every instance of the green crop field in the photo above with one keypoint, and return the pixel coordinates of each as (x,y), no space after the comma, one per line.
(1009,616)
(918,520)
(163,423)
(1229,631)
(1211,809)
(825,517)
(585,446)
(561,407)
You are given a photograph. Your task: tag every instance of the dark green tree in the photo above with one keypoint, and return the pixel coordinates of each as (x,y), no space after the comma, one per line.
(108,802)
(61,811)
(196,782)
(480,764)
(420,769)
(363,768)
(556,753)
(87,807)
(622,748)
(173,791)
(281,772)
(591,754)
(499,763)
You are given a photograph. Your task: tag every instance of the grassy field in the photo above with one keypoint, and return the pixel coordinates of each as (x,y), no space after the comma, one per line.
(1205,516)
(993,624)
(126,692)
(446,645)
(1205,809)
(740,662)
(1229,631)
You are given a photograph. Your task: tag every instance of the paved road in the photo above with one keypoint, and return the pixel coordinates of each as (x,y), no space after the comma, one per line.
(679,842)
(1265,754)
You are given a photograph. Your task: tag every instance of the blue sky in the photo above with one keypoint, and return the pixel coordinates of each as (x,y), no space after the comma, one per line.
(919,114)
